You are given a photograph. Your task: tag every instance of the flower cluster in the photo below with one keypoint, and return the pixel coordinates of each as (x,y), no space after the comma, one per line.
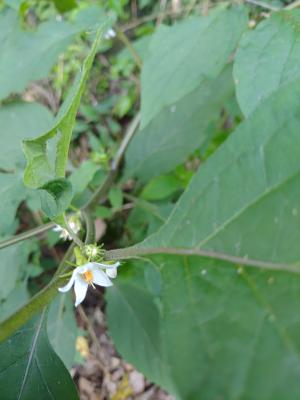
(74,224)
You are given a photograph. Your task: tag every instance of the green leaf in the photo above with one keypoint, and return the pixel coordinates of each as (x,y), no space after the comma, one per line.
(115,196)
(65,5)
(13,192)
(56,197)
(256,74)
(36,52)
(62,328)
(224,330)
(20,121)
(30,368)
(178,130)
(212,330)
(83,175)
(184,56)
(13,264)
(44,165)
(161,187)
(245,199)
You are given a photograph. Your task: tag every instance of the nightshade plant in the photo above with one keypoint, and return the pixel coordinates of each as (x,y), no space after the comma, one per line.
(206,302)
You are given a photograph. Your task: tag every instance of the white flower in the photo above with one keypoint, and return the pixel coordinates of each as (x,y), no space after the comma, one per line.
(109,34)
(90,274)
(64,234)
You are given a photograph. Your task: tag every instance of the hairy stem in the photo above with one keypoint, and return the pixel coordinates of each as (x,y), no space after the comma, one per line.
(26,235)
(132,252)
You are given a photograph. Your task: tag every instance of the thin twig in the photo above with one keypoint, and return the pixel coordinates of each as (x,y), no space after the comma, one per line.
(124,39)
(133,251)
(292,6)
(104,188)
(26,235)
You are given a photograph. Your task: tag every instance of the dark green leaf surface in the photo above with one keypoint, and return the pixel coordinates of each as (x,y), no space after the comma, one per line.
(30,369)
(184,56)
(267,58)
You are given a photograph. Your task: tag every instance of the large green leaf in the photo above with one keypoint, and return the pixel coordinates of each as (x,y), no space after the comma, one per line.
(212,332)
(30,369)
(184,56)
(178,130)
(26,55)
(62,328)
(224,331)
(267,58)
(245,199)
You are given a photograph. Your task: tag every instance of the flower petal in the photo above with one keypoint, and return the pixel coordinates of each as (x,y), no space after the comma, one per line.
(111,272)
(80,289)
(106,266)
(100,278)
(70,283)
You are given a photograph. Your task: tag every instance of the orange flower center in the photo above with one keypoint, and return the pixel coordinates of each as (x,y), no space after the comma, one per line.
(88,276)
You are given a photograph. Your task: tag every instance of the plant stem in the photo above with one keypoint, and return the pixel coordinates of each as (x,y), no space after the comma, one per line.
(104,188)
(26,235)
(124,39)
(131,252)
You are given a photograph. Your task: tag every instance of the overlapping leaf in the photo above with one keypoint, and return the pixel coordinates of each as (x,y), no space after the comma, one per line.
(267,58)
(29,368)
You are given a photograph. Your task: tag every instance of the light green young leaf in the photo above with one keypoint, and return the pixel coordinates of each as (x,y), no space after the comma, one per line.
(267,58)
(30,368)
(184,56)
(27,56)
(178,130)
(62,328)
(56,196)
(44,165)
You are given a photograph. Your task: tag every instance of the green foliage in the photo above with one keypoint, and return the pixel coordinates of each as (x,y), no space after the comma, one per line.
(62,328)
(161,187)
(65,5)
(171,70)
(56,196)
(256,74)
(30,368)
(178,130)
(35,52)
(215,195)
